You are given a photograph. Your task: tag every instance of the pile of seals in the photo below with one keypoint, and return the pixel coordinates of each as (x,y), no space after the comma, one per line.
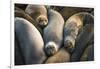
(53,34)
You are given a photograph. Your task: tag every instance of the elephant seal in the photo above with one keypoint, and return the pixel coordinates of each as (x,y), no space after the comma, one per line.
(81,42)
(30,41)
(73,26)
(38,13)
(60,57)
(53,32)
(20,13)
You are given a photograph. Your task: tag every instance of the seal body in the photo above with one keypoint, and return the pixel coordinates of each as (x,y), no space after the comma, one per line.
(53,32)
(88,54)
(81,42)
(22,6)
(30,41)
(67,12)
(18,56)
(72,27)
(38,13)
(22,14)
(61,56)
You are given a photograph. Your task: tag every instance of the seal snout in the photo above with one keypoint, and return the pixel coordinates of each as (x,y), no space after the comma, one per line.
(69,45)
(42,20)
(51,48)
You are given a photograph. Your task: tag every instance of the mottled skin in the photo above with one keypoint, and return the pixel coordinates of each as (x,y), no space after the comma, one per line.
(53,32)
(30,42)
(38,13)
(72,28)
